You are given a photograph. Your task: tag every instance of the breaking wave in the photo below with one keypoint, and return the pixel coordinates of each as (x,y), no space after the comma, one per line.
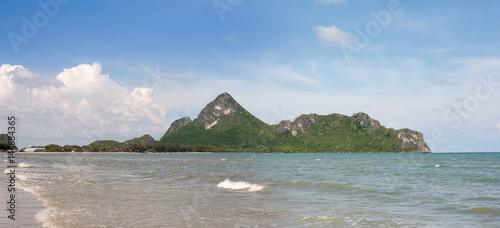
(251,187)
(24,165)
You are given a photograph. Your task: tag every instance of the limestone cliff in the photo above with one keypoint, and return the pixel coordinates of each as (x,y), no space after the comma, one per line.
(178,124)
(412,139)
(361,119)
(299,125)
(223,105)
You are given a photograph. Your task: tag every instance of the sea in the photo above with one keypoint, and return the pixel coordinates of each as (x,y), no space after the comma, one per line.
(263,190)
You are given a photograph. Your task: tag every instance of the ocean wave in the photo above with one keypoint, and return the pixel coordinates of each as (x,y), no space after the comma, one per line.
(31,190)
(44,217)
(318,185)
(296,183)
(251,187)
(483,210)
(22,177)
(323,220)
(24,165)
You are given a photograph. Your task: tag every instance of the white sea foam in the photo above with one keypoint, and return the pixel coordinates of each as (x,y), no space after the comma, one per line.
(31,190)
(223,159)
(437,165)
(251,187)
(24,165)
(22,177)
(44,216)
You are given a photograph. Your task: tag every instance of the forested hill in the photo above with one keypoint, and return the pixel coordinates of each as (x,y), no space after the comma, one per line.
(225,126)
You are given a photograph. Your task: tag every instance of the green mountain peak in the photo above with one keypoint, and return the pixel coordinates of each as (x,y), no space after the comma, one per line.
(223,105)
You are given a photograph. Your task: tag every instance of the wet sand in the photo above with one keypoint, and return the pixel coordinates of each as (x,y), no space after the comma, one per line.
(27,206)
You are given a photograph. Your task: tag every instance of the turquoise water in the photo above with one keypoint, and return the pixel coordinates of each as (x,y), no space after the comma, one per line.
(264,190)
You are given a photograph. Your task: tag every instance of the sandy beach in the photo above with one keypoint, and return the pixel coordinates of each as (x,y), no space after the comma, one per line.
(27,206)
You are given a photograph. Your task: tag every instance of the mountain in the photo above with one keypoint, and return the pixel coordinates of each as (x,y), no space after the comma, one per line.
(145,141)
(225,126)
(178,124)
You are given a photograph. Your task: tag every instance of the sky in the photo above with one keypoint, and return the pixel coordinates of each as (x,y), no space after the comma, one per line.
(73,72)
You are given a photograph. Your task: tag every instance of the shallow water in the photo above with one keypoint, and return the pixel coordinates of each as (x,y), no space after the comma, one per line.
(264,190)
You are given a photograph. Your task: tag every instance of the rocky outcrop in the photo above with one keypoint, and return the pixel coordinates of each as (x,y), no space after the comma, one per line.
(302,123)
(299,125)
(223,105)
(412,139)
(283,126)
(178,124)
(362,120)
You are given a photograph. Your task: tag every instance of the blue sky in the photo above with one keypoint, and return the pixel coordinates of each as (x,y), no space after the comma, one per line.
(77,71)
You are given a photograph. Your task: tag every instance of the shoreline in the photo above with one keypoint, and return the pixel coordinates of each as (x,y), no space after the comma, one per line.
(114,153)
(27,207)
(221,153)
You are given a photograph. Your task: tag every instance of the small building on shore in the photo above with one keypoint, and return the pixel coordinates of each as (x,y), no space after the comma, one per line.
(33,149)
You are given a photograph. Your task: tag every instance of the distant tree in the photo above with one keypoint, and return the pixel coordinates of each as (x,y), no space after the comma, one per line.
(54,148)
(4,146)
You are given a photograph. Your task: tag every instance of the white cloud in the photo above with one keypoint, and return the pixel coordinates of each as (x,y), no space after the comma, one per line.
(333,36)
(84,105)
(498,129)
(6,80)
(330,1)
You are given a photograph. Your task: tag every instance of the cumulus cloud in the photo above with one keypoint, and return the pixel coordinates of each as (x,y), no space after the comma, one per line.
(6,79)
(81,103)
(330,1)
(334,36)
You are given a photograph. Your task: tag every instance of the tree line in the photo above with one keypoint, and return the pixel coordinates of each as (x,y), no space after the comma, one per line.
(133,147)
